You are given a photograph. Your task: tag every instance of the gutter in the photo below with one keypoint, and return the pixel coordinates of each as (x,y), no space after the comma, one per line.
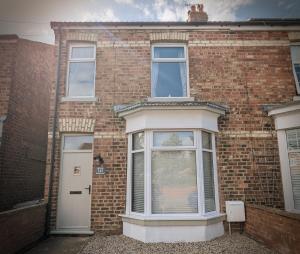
(55,117)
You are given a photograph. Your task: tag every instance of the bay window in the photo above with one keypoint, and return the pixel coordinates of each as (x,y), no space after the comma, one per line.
(169,70)
(173,172)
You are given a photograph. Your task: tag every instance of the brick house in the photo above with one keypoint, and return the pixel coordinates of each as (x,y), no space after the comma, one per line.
(26,76)
(154,125)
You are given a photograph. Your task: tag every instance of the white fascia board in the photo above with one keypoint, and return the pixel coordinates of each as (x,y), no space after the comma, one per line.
(172,119)
(284,110)
(286,117)
(207,108)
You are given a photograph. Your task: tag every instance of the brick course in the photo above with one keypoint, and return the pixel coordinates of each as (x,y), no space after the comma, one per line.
(242,69)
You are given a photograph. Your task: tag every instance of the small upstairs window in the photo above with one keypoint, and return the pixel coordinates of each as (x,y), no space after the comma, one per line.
(295,51)
(169,70)
(81,71)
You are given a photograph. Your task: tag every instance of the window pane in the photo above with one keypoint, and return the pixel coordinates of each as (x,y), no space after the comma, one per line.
(209,186)
(294,161)
(295,51)
(206,140)
(174,138)
(81,79)
(171,52)
(293,143)
(293,139)
(78,143)
(174,183)
(169,79)
(83,52)
(138,182)
(297,71)
(138,141)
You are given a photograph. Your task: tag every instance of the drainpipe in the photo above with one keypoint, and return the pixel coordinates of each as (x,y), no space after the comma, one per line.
(55,117)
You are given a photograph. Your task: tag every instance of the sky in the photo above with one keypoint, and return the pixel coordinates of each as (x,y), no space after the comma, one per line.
(30,19)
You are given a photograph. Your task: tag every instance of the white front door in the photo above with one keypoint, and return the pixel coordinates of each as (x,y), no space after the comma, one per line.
(74,203)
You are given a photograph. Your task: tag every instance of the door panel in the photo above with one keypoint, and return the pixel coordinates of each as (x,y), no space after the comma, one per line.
(74,207)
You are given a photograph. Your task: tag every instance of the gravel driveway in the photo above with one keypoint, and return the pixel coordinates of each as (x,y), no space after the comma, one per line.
(226,244)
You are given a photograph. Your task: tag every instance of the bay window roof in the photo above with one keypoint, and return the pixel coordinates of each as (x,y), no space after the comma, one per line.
(123,110)
(171,114)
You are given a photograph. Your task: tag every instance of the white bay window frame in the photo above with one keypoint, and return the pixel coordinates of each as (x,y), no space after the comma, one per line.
(80,60)
(148,148)
(170,60)
(173,227)
(286,118)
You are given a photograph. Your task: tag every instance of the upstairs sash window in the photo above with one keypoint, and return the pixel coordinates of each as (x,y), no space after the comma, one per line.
(169,71)
(81,71)
(295,52)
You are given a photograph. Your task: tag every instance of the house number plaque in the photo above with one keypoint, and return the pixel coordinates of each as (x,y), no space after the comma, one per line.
(100,171)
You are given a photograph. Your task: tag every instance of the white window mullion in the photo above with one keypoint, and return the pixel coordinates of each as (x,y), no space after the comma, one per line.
(129,175)
(200,173)
(148,145)
(215,169)
(200,162)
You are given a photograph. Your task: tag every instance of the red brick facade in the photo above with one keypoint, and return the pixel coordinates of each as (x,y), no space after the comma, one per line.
(241,69)
(26,76)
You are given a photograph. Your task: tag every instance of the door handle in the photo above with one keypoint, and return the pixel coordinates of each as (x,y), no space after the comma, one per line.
(89,188)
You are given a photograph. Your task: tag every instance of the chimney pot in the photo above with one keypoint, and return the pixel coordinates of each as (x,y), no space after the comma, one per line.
(197,14)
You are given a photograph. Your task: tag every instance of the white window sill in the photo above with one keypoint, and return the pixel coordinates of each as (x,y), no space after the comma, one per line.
(170,99)
(172,216)
(80,99)
(156,220)
(296,98)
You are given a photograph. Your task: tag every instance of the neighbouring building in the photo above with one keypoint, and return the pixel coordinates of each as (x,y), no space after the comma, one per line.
(27,73)
(156,124)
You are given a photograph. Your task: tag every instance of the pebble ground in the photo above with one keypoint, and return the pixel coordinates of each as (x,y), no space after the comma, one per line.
(236,243)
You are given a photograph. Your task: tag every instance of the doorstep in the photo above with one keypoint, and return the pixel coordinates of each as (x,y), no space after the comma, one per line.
(71,232)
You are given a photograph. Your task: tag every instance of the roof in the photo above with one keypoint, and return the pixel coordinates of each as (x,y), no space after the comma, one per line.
(124,109)
(250,22)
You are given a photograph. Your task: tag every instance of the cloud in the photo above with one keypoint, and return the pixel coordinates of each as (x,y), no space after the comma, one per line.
(176,10)
(129,2)
(167,11)
(106,15)
(224,10)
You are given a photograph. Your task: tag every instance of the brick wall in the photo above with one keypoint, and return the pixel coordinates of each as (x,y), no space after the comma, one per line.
(24,142)
(241,69)
(278,229)
(7,60)
(21,227)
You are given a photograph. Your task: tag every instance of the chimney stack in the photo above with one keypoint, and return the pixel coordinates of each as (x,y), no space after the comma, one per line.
(196,14)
